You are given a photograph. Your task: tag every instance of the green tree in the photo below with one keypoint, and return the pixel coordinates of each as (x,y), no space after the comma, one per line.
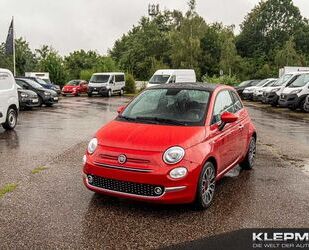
(288,55)
(267,27)
(50,61)
(25,58)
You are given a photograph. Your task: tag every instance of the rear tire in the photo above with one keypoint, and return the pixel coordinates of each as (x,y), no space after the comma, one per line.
(11,120)
(40,101)
(64,95)
(89,94)
(302,105)
(249,160)
(206,187)
(109,93)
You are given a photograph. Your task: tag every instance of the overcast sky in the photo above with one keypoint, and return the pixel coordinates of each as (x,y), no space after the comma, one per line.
(69,25)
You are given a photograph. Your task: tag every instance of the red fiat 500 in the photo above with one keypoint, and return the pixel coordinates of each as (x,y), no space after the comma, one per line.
(75,87)
(171,144)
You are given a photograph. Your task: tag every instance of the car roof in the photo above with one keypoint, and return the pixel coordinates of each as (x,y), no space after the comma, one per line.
(109,73)
(194,86)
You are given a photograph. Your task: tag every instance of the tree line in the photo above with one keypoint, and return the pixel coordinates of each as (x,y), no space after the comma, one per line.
(272,35)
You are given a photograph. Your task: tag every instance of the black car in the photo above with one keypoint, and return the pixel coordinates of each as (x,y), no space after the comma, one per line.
(27,98)
(45,96)
(306,104)
(44,84)
(240,88)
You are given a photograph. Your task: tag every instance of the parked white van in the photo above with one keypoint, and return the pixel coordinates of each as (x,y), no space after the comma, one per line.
(9,104)
(172,76)
(271,94)
(106,84)
(294,95)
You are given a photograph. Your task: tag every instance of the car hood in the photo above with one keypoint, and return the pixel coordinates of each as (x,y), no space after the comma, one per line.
(288,90)
(28,92)
(149,137)
(69,87)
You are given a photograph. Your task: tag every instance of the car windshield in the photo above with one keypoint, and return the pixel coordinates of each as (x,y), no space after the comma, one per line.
(99,78)
(261,83)
(33,84)
(282,80)
(73,83)
(270,83)
(254,83)
(245,83)
(159,79)
(300,81)
(168,106)
(40,81)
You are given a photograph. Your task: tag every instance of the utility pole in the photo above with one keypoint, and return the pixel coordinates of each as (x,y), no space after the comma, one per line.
(153,10)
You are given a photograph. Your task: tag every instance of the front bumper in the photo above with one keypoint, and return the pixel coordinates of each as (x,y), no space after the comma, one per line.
(135,183)
(288,100)
(50,99)
(97,90)
(29,102)
(270,98)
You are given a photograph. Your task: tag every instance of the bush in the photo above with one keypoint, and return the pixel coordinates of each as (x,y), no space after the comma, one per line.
(130,87)
(225,79)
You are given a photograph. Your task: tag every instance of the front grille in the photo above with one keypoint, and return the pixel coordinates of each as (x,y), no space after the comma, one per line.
(115,158)
(126,187)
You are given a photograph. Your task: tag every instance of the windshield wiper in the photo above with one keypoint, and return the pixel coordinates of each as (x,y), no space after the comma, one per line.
(161,120)
(126,118)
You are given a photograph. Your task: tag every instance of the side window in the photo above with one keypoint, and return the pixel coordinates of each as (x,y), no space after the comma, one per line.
(5,81)
(237,103)
(223,103)
(173,79)
(119,78)
(112,79)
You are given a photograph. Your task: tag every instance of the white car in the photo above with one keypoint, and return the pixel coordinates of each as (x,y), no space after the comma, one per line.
(294,96)
(163,76)
(106,84)
(9,104)
(248,92)
(271,94)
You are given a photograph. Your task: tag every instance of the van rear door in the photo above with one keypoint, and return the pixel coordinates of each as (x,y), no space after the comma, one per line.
(6,86)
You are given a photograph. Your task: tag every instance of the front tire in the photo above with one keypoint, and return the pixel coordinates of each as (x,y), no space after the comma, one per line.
(206,187)
(11,120)
(121,92)
(89,95)
(109,93)
(249,160)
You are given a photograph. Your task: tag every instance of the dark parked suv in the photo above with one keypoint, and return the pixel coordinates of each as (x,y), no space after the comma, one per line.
(44,84)
(45,96)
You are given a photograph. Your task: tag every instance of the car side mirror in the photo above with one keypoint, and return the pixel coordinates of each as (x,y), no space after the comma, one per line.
(226,118)
(120,109)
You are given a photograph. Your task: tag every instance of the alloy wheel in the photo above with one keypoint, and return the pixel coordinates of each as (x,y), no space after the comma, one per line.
(208,185)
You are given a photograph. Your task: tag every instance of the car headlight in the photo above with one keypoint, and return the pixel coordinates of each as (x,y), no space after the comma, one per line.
(47,93)
(23,95)
(92,146)
(178,173)
(296,91)
(173,155)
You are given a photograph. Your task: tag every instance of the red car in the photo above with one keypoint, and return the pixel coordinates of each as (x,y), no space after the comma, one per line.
(75,87)
(171,144)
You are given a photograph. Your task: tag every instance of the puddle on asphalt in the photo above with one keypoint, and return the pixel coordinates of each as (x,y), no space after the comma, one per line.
(234,172)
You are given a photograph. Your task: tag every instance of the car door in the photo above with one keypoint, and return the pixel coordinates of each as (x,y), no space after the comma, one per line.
(226,140)
(241,126)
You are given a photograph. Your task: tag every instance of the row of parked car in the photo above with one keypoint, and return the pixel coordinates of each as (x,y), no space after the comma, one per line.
(290,91)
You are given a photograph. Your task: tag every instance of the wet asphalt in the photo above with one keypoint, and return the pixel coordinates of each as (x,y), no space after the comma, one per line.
(52,208)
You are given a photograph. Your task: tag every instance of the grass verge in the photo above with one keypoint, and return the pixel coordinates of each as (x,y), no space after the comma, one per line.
(38,170)
(7,189)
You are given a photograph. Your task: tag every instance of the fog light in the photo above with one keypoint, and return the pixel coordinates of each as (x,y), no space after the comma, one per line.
(158,190)
(178,173)
(90,179)
(84,159)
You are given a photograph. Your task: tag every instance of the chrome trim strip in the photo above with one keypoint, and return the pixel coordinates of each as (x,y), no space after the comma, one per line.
(173,189)
(122,168)
(166,190)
